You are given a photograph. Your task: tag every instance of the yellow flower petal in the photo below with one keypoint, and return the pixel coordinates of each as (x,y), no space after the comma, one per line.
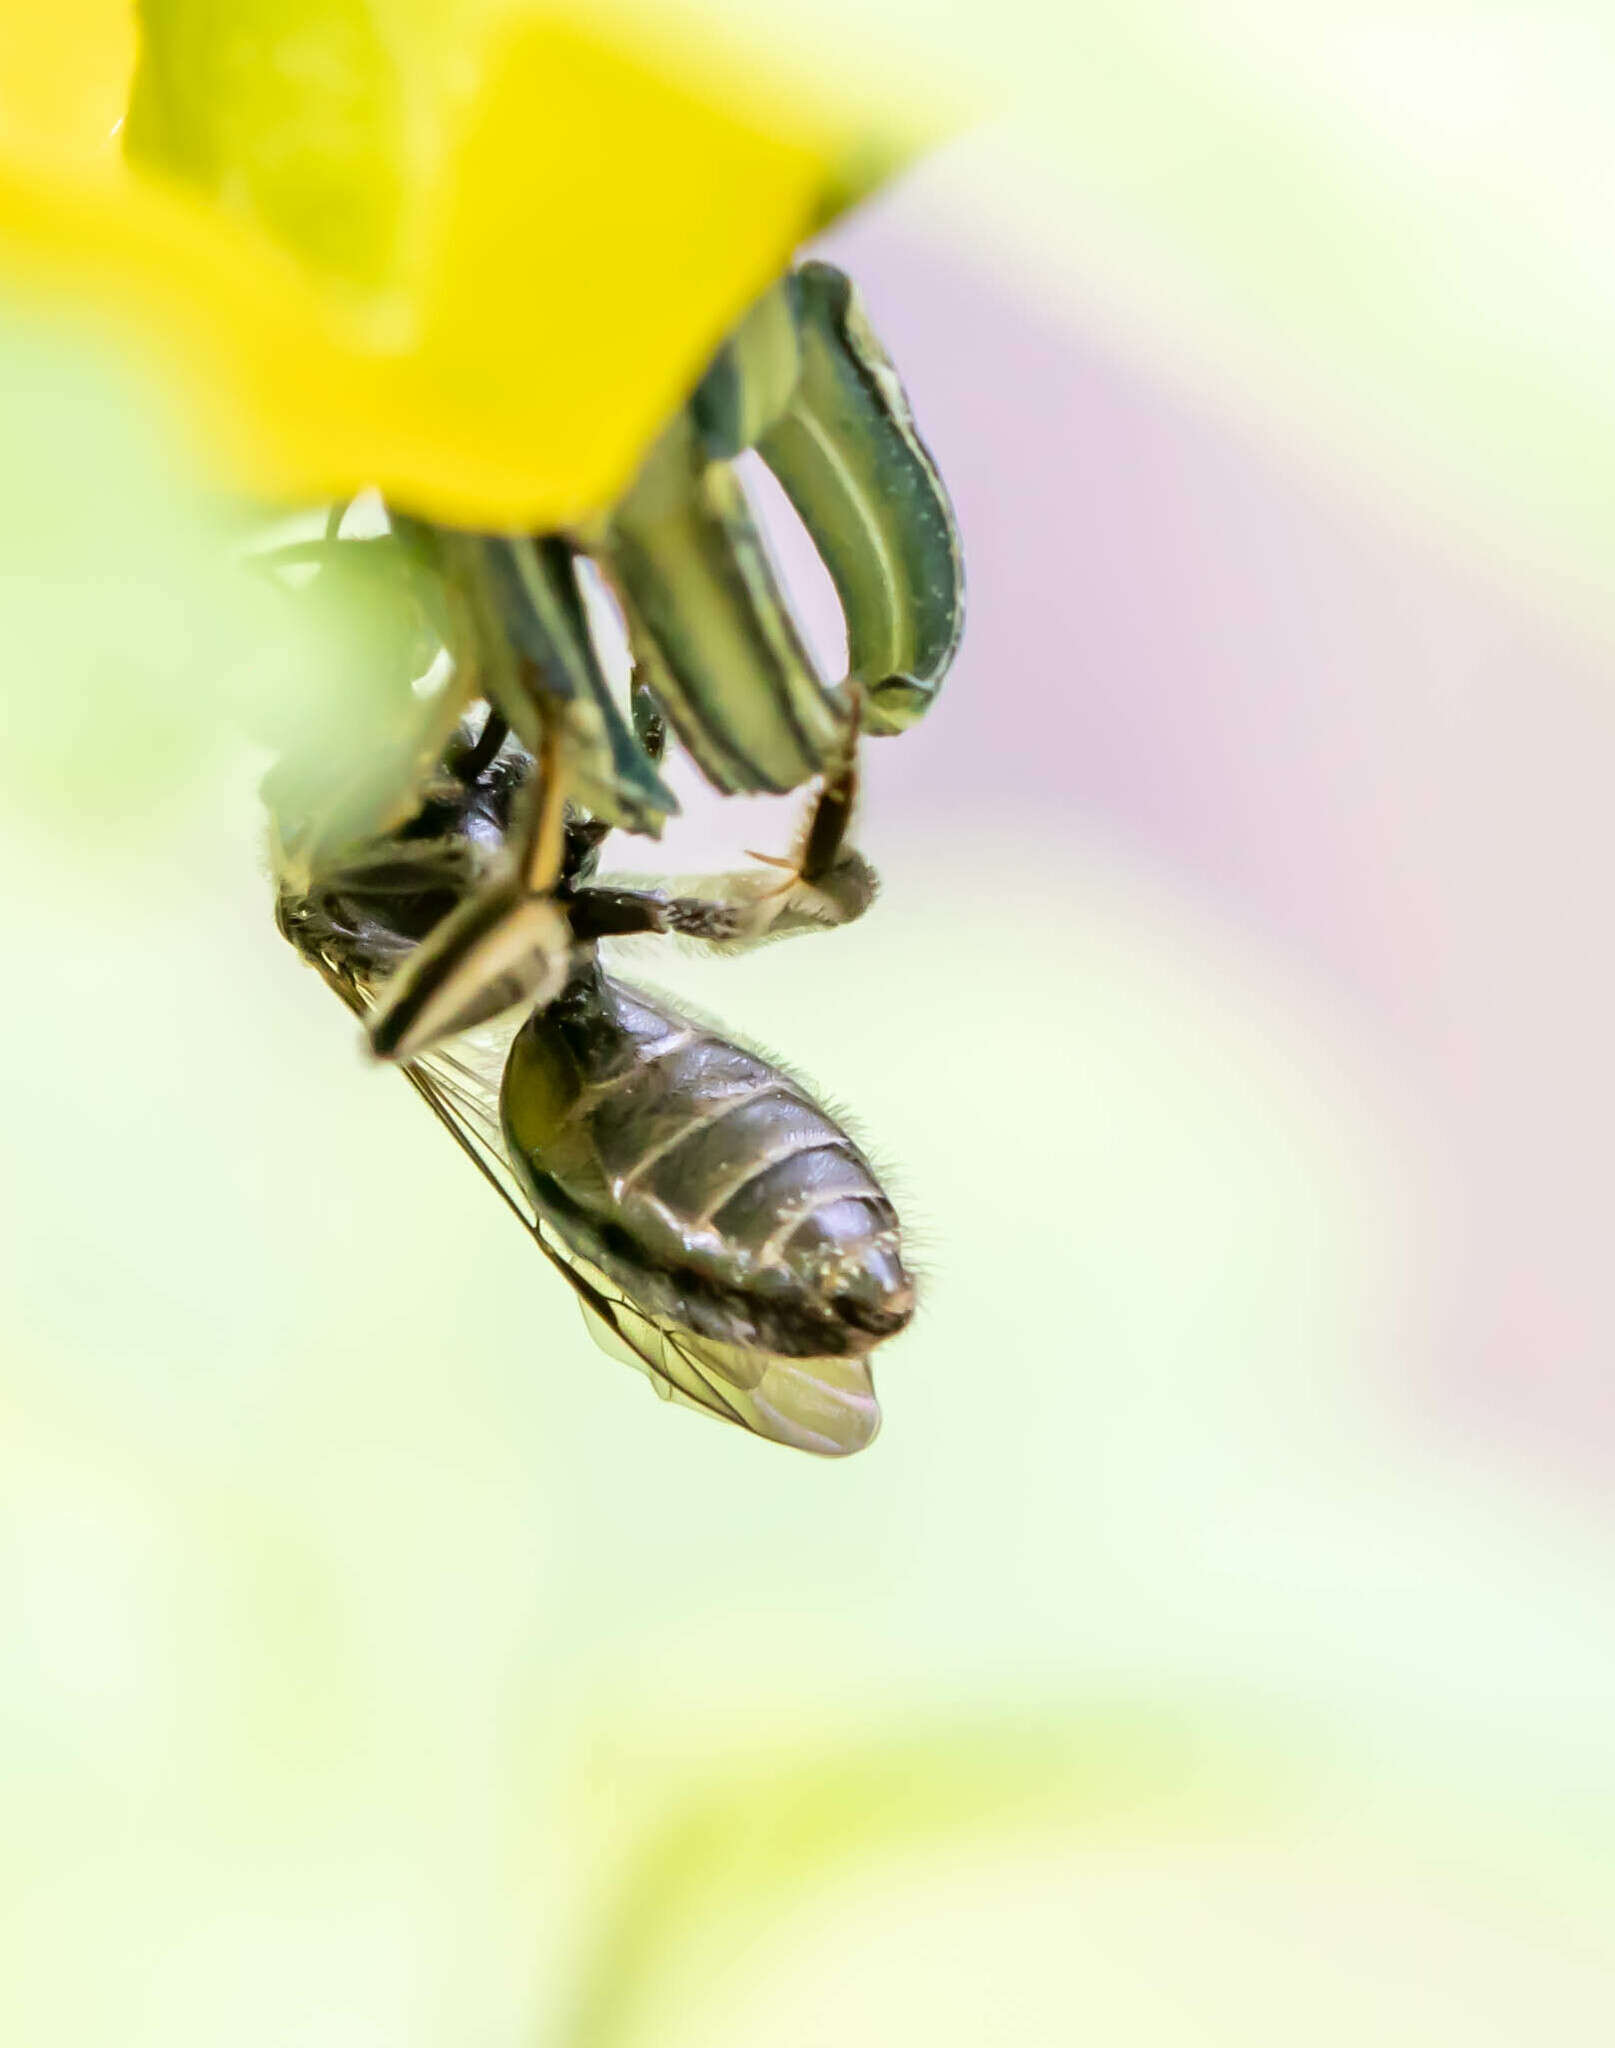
(632,228)
(473,254)
(64,78)
(290,113)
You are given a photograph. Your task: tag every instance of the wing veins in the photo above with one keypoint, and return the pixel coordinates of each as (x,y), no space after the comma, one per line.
(460,1098)
(440,1097)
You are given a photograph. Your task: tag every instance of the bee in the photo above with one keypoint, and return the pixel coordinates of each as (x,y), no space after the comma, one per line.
(720,1229)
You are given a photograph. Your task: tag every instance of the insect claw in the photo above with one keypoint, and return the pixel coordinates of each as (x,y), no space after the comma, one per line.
(793,873)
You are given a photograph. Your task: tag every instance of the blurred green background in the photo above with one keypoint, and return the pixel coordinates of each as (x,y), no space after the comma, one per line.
(1216,1645)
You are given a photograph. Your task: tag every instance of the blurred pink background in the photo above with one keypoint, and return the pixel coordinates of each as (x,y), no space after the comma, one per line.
(1346,735)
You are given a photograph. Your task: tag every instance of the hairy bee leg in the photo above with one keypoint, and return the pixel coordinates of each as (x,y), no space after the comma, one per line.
(605,912)
(828,884)
(829,825)
(829,822)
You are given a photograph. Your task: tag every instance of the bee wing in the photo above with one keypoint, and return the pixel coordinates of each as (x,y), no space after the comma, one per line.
(824,1405)
(460,1085)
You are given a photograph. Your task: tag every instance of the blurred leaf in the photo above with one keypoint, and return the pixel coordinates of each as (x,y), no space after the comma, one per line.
(132,634)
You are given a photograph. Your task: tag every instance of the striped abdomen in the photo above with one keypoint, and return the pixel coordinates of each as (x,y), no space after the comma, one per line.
(703,1180)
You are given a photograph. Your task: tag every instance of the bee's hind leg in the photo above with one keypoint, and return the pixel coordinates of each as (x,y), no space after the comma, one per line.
(826,883)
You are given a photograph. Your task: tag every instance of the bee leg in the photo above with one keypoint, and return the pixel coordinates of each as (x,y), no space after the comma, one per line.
(508,943)
(824,843)
(826,884)
(824,837)
(603,911)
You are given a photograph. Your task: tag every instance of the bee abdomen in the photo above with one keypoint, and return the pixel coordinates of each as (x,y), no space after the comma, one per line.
(715,1152)
(782,1192)
(689,1162)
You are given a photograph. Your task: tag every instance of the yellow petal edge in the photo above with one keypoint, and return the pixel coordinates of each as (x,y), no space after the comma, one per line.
(484,300)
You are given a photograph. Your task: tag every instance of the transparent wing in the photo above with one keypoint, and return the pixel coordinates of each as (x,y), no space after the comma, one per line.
(459,1083)
(823,1405)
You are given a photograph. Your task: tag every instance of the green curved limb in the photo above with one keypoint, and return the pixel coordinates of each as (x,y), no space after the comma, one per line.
(712,635)
(538,664)
(848,456)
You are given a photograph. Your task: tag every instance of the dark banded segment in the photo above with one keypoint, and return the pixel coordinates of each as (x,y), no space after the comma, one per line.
(794,1183)
(697,1172)
(671,1093)
(718,1149)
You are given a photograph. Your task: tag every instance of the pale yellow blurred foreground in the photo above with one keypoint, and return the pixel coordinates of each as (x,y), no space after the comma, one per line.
(381,1665)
